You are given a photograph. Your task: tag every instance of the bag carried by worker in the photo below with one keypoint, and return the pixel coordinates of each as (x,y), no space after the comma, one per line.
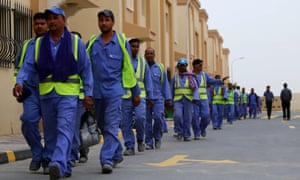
(89,131)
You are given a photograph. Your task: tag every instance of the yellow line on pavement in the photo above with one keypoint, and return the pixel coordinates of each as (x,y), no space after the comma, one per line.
(10,156)
(292,127)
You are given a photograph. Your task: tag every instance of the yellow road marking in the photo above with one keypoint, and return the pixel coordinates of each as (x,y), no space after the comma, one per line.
(11,156)
(292,127)
(182,159)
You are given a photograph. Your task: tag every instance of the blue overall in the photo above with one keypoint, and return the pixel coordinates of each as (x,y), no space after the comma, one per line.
(201,109)
(107,62)
(183,109)
(253,104)
(236,105)
(229,108)
(218,108)
(59,111)
(31,110)
(139,111)
(155,114)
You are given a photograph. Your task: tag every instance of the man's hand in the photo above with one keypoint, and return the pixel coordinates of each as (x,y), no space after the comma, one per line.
(18,90)
(87,102)
(136,100)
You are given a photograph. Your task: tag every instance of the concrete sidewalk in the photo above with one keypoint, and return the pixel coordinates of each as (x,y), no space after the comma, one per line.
(13,148)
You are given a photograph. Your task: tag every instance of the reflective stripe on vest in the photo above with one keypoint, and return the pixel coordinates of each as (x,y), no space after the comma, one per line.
(182,91)
(128,75)
(230,99)
(69,87)
(162,70)
(202,87)
(139,74)
(244,97)
(21,60)
(218,98)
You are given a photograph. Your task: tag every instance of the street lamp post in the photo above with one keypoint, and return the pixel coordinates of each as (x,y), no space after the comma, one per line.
(236,59)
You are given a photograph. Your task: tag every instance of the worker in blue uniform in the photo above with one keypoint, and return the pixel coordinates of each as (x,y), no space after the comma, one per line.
(243,104)
(60,59)
(218,102)
(184,90)
(31,106)
(161,97)
(253,102)
(229,104)
(202,108)
(143,75)
(110,55)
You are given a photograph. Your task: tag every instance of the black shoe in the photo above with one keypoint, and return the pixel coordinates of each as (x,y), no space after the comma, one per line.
(215,128)
(54,172)
(67,175)
(203,133)
(141,147)
(129,152)
(148,147)
(107,169)
(34,165)
(83,159)
(179,137)
(116,162)
(157,144)
(73,163)
(186,139)
(45,163)
(196,138)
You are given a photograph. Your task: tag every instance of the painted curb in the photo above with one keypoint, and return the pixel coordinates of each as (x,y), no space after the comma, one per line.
(12,156)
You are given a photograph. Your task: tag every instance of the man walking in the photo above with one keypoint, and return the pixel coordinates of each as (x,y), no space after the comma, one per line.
(286,97)
(269,98)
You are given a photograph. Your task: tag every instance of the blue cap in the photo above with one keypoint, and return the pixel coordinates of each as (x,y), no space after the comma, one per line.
(55,10)
(182,61)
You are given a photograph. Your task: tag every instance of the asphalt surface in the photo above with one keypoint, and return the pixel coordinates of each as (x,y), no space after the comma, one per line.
(254,149)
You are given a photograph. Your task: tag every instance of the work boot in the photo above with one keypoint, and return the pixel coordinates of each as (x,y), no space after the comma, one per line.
(34,165)
(54,172)
(129,152)
(157,144)
(107,169)
(141,146)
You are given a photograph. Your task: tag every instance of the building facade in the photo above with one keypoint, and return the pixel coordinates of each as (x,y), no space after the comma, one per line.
(174,28)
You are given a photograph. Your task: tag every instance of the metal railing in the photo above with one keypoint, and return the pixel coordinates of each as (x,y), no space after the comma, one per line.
(15,28)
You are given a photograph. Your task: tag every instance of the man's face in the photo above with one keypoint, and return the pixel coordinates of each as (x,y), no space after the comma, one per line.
(55,22)
(197,67)
(105,24)
(149,55)
(40,27)
(182,67)
(135,47)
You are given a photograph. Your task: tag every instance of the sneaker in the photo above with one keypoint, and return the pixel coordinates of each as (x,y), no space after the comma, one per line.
(107,169)
(148,147)
(129,152)
(196,138)
(203,133)
(83,159)
(34,165)
(116,162)
(141,146)
(186,139)
(179,137)
(157,144)
(54,172)
(73,163)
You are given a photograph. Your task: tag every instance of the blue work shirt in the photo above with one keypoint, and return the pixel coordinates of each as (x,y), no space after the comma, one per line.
(83,65)
(182,80)
(209,80)
(147,77)
(33,78)
(161,89)
(107,63)
(268,96)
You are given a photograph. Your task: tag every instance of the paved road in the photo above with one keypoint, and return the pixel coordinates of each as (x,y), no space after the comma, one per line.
(252,149)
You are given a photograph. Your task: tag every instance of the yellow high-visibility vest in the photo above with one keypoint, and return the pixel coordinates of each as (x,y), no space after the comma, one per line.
(185,91)
(202,88)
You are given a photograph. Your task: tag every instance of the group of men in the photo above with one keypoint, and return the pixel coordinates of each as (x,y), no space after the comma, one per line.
(58,77)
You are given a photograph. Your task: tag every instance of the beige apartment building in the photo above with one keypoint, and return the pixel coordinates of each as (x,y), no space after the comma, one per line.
(174,28)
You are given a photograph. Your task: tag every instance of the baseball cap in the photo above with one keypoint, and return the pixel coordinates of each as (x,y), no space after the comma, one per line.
(182,61)
(55,10)
(107,13)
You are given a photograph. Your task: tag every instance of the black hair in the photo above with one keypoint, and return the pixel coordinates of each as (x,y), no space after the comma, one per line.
(134,40)
(39,15)
(197,61)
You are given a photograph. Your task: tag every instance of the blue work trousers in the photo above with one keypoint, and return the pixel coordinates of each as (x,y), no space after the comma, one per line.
(237,111)
(59,116)
(155,117)
(30,124)
(243,109)
(217,115)
(127,121)
(229,112)
(183,114)
(201,117)
(253,110)
(76,139)
(108,115)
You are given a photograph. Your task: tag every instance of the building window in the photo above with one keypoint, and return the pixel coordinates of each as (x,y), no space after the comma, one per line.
(130,4)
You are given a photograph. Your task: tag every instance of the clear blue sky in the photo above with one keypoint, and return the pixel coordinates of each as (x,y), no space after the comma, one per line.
(266,33)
